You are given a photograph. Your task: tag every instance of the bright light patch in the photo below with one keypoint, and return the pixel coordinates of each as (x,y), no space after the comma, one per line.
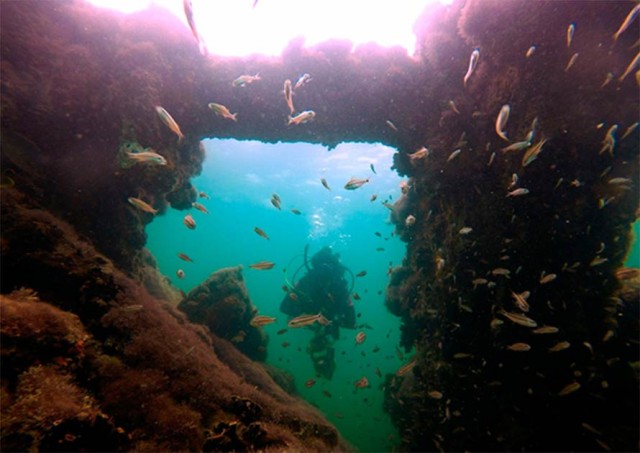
(236,28)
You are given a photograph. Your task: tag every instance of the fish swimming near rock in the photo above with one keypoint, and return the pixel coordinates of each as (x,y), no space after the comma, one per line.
(180,274)
(200,207)
(142,205)
(261,320)
(627,21)
(168,120)
(355,183)
(571,29)
(501,122)
(302,117)
(188,12)
(222,111)
(147,157)
(262,265)
(189,222)
(303,80)
(288,96)
(473,62)
(245,80)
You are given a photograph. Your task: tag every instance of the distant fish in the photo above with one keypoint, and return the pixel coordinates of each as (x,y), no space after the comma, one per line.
(627,21)
(519,347)
(361,274)
(261,320)
(222,111)
(189,222)
(355,183)
(373,197)
(296,211)
(630,68)
(188,12)
(530,52)
(288,96)
(303,80)
(180,274)
(305,320)
(199,207)
(404,369)
(325,184)
(147,157)
(361,383)
(570,31)
(185,257)
(373,169)
(569,389)
(262,265)
(203,195)
(309,383)
(501,122)
(168,120)
(453,155)
(142,205)
(571,62)
(518,192)
(302,117)
(473,62)
(275,201)
(391,125)
(261,232)
(420,154)
(607,79)
(360,337)
(245,80)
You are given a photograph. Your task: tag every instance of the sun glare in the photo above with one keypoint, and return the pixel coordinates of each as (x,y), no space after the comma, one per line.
(237,28)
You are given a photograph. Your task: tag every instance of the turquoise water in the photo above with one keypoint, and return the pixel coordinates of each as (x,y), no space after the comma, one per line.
(240,178)
(633,258)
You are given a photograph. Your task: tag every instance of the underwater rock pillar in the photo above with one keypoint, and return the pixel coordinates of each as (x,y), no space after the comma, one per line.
(521,222)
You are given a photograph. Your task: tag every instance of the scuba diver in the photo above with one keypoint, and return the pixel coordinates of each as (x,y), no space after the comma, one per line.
(323,289)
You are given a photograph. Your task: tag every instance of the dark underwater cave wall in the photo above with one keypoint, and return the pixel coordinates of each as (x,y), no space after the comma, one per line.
(576,389)
(77,81)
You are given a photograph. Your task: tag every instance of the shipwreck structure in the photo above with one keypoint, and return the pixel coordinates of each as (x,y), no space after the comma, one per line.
(512,290)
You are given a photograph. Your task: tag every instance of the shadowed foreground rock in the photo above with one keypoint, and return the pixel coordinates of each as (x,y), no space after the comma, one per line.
(126,371)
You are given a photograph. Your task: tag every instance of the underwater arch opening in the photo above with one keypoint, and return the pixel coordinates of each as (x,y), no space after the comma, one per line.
(243,225)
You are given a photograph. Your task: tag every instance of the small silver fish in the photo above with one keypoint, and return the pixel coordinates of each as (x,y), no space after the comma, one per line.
(627,21)
(530,52)
(501,122)
(570,31)
(302,117)
(630,68)
(453,155)
(473,62)
(355,183)
(518,192)
(304,79)
(572,61)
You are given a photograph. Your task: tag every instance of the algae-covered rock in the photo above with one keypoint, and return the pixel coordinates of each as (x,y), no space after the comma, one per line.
(222,304)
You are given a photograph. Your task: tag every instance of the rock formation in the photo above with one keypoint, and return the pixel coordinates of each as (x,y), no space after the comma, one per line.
(222,304)
(78,83)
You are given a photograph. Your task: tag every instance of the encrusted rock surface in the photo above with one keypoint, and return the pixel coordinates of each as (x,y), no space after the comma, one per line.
(222,304)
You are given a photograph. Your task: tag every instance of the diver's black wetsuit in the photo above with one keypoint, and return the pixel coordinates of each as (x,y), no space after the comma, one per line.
(322,290)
